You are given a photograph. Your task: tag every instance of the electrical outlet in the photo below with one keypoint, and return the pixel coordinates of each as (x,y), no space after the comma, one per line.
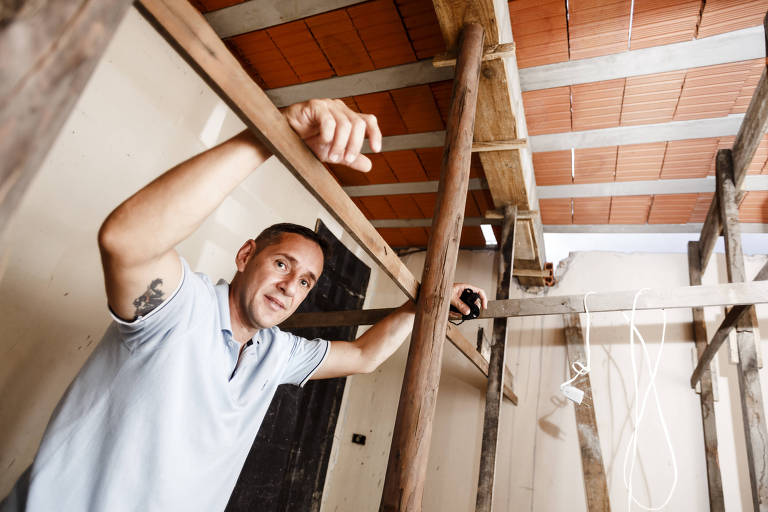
(358,438)
(573,394)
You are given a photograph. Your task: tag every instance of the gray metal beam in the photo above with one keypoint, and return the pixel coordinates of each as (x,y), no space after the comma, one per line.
(257,14)
(395,77)
(733,46)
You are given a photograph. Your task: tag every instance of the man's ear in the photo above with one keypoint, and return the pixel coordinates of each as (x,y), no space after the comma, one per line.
(244,254)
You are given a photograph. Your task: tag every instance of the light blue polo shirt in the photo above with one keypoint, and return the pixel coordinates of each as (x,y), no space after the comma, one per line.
(159,418)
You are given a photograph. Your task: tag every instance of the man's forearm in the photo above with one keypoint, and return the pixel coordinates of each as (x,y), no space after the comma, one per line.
(170,208)
(385,337)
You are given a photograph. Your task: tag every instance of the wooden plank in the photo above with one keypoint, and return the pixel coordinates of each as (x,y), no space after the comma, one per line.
(706,397)
(730,321)
(752,407)
(492,417)
(592,467)
(408,456)
(755,292)
(499,51)
(499,145)
(195,40)
(48,50)
(509,173)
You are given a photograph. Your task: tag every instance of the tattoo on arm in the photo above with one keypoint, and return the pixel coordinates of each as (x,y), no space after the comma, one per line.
(150,299)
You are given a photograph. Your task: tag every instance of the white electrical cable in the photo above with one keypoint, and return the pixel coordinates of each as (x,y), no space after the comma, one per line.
(578,367)
(640,412)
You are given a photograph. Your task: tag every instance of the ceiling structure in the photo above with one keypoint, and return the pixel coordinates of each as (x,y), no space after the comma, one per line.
(626,103)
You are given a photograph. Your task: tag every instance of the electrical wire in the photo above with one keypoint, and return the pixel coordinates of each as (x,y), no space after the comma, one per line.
(578,367)
(640,412)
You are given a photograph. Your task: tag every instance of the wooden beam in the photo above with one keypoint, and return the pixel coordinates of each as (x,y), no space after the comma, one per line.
(48,50)
(745,145)
(752,406)
(592,467)
(408,456)
(499,51)
(492,417)
(499,145)
(755,292)
(500,116)
(706,398)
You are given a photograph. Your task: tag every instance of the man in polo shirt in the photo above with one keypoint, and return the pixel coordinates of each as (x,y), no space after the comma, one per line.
(163,413)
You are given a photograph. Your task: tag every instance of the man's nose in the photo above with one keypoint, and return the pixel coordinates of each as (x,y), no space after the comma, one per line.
(288,286)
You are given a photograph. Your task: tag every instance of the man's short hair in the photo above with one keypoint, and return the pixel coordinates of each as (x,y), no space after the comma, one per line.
(274,233)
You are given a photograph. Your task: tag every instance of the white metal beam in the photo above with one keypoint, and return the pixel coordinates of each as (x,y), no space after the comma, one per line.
(257,14)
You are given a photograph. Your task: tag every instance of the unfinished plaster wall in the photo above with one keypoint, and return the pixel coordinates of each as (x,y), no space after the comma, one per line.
(143,111)
(538,461)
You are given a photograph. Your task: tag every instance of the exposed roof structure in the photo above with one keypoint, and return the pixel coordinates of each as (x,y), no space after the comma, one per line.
(582,131)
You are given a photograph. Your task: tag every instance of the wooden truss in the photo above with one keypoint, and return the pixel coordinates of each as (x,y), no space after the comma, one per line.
(35,101)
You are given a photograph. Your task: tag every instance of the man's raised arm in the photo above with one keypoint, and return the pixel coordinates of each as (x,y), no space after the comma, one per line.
(137,240)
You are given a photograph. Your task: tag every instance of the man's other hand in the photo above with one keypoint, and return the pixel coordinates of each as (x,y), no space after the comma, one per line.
(335,132)
(458,289)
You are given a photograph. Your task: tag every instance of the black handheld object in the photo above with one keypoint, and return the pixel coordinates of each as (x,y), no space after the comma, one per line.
(469,298)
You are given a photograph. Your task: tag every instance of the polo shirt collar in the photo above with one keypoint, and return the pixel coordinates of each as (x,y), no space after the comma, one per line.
(222,299)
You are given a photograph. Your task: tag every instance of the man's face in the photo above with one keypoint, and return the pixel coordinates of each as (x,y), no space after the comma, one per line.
(276,280)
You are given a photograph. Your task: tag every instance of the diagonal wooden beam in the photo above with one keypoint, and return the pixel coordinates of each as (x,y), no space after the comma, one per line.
(706,398)
(750,391)
(492,417)
(48,50)
(592,467)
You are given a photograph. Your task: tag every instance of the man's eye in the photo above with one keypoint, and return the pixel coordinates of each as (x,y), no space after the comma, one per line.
(280,264)
(304,283)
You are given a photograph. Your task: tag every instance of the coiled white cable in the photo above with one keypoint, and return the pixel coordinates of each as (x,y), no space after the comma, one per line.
(640,412)
(578,367)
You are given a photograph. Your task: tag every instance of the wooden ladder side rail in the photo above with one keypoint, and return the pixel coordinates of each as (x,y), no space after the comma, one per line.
(492,416)
(745,145)
(48,52)
(750,392)
(412,435)
(706,397)
(731,320)
(592,466)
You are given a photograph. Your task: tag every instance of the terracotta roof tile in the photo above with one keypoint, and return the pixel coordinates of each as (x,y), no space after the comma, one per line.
(418,109)
(296,43)
(630,209)
(672,209)
(405,165)
(381,105)
(472,236)
(556,211)
(431,160)
(422,26)
(540,30)
(591,210)
(348,177)
(597,104)
(262,59)
(382,32)
(381,171)
(688,158)
(722,143)
(394,237)
(598,27)
(700,209)
(594,165)
(711,91)
(760,159)
(441,91)
(361,207)
(721,16)
(640,161)
(552,167)
(660,22)
(426,203)
(340,42)
(211,5)
(415,237)
(754,207)
(379,207)
(651,98)
(548,110)
(755,69)
(404,206)
(483,200)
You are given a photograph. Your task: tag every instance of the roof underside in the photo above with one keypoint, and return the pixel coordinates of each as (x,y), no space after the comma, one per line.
(380,34)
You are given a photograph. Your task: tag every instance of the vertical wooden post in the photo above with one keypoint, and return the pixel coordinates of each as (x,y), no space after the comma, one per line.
(595,483)
(714,479)
(752,409)
(484,502)
(407,467)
